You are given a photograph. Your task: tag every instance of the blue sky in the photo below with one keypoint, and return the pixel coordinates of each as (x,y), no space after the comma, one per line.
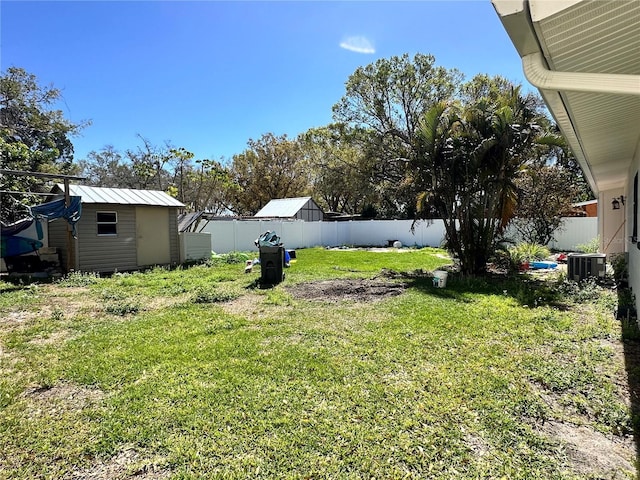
(210,75)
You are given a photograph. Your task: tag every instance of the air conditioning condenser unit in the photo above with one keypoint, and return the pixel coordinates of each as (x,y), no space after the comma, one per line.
(581,266)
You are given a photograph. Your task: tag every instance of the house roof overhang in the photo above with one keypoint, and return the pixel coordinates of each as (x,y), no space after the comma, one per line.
(584,57)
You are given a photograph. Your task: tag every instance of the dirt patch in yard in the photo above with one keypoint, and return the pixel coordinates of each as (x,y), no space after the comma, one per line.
(16,319)
(50,302)
(126,464)
(589,452)
(63,396)
(248,306)
(55,338)
(354,290)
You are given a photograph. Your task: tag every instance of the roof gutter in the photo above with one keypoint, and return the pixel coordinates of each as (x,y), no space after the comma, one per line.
(541,77)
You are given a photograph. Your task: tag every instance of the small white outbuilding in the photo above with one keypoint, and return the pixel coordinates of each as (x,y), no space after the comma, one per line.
(299,208)
(119,229)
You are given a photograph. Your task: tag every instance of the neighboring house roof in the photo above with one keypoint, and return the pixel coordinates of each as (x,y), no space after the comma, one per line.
(121,196)
(583,57)
(584,204)
(283,207)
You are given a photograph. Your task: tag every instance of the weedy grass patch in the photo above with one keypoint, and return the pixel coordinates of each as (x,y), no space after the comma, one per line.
(215,378)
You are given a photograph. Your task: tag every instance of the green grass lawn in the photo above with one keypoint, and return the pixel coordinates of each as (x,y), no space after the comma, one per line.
(198,373)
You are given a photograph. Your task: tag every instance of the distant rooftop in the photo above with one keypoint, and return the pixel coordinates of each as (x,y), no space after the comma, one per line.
(283,207)
(584,204)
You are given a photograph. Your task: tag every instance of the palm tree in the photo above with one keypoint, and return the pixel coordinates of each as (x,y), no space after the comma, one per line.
(469,156)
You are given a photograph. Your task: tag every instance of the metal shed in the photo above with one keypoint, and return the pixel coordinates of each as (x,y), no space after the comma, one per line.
(120,229)
(300,208)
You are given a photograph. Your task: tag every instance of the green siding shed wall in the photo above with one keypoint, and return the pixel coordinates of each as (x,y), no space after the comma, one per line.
(108,253)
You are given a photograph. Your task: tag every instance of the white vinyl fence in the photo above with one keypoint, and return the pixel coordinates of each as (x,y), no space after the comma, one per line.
(223,236)
(573,232)
(239,235)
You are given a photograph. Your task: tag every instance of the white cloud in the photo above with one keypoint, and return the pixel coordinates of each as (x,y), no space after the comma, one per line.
(358,44)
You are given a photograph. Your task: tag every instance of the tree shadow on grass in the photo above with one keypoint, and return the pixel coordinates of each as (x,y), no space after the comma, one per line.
(527,290)
(628,317)
(19,282)
(534,292)
(632,366)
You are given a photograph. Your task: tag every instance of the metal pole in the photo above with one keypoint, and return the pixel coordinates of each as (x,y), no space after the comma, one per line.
(71,264)
(22,173)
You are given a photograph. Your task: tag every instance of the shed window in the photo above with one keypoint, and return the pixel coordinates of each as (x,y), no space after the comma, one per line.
(107,223)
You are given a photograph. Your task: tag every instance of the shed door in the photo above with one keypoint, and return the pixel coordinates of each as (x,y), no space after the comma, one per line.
(152,236)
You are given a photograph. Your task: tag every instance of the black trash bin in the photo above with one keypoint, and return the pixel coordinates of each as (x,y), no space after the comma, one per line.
(271,264)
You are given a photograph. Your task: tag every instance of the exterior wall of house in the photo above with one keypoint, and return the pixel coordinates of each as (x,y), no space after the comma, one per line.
(612,224)
(633,246)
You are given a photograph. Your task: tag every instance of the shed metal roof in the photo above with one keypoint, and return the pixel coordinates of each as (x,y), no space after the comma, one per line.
(122,196)
(283,207)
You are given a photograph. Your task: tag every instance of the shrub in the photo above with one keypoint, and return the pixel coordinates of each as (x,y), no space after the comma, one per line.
(527,252)
(122,308)
(231,258)
(620,267)
(591,246)
(79,279)
(585,291)
(212,295)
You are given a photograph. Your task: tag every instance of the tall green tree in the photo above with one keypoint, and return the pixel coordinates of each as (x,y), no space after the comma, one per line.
(556,152)
(107,168)
(272,167)
(546,195)
(207,184)
(181,160)
(470,156)
(341,176)
(384,103)
(552,182)
(148,164)
(200,184)
(34,137)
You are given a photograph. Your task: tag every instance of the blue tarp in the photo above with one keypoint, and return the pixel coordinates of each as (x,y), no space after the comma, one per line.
(12,244)
(17,227)
(56,209)
(20,237)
